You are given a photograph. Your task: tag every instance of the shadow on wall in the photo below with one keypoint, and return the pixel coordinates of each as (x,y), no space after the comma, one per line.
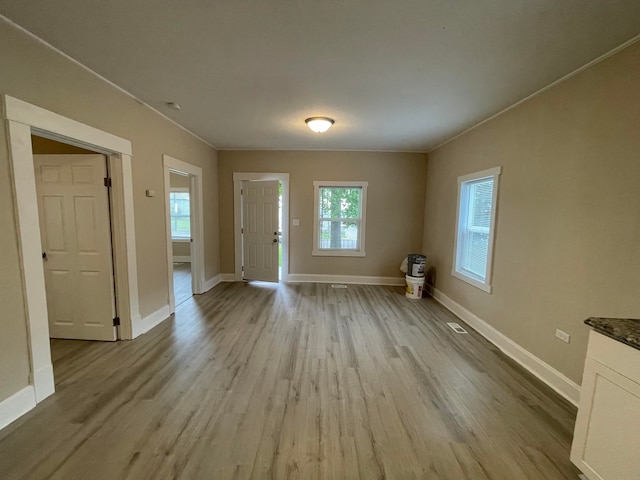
(430,281)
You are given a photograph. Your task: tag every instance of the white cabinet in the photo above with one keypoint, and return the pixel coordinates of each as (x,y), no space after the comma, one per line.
(606,442)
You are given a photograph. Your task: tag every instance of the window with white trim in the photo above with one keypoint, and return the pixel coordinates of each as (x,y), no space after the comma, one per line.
(475,227)
(180,213)
(339,218)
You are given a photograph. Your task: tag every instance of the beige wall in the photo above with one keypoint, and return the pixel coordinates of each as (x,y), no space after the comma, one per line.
(395,207)
(568,227)
(178,181)
(33,73)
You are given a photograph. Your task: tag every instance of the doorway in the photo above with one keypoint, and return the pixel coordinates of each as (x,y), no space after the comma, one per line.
(261,230)
(72,187)
(23,119)
(185,230)
(180,216)
(275,241)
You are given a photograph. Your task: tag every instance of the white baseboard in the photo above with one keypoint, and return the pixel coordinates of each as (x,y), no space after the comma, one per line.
(347,279)
(17,405)
(227,277)
(150,321)
(135,320)
(545,372)
(178,258)
(212,282)
(221,277)
(44,384)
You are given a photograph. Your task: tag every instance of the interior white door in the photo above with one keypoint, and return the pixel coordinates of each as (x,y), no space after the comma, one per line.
(260,227)
(73,205)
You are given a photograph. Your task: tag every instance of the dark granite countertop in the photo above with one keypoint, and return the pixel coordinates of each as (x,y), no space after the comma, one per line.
(625,330)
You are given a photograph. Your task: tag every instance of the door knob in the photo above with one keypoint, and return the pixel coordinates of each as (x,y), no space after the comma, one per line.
(275,240)
(44,255)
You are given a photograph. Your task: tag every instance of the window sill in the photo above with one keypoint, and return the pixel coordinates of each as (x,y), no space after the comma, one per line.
(338,253)
(472,281)
(180,240)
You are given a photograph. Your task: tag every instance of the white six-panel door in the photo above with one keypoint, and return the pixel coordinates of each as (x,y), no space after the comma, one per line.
(260,230)
(73,205)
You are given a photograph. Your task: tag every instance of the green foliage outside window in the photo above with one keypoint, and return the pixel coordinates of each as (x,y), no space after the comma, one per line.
(340,209)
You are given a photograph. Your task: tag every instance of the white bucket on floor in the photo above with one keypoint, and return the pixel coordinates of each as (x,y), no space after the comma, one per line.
(414,286)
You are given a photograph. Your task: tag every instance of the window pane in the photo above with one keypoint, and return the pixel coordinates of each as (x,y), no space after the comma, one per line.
(339,217)
(180,217)
(179,203)
(474,257)
(340,202)
(476,240)
(480,197)
(476,218)
(339,235)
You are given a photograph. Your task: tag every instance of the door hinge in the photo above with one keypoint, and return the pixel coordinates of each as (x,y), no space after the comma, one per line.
(107,182)
(242,230)
(116,322)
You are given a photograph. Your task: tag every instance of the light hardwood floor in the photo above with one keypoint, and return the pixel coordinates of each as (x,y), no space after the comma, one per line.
(182,282)
(293,381)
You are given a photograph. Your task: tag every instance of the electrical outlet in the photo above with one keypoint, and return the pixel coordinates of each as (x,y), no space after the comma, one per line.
(564,336)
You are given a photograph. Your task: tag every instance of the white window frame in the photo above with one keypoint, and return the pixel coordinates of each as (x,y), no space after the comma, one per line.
(462,216)
(333,252)
(181,239)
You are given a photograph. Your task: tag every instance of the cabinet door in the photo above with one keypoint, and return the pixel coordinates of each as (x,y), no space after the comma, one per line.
(605,444)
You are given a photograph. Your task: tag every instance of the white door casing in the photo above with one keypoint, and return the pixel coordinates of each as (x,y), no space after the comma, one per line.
(260,229)
(22,120)
(197,225)
(73,204)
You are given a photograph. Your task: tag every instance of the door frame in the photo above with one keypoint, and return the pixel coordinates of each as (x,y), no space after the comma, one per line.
(197,225)
(238,178)
(21,120)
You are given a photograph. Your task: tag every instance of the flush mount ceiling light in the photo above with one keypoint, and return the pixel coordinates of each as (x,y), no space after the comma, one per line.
(319,124)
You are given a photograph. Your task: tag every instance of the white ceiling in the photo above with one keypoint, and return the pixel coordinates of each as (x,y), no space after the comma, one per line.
(395,75)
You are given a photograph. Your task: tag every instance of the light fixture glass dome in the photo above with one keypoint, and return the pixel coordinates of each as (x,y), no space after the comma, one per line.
(319,124)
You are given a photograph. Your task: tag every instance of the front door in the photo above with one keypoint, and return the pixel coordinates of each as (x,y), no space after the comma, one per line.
(260,226)
(73,205)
